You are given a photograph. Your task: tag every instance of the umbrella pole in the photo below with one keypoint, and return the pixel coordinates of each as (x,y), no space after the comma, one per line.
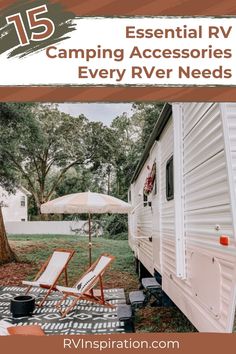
(90,242)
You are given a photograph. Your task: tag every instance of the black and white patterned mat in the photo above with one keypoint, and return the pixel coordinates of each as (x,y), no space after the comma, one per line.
(86,318)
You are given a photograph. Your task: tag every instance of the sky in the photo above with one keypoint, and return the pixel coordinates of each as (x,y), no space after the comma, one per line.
(104,112)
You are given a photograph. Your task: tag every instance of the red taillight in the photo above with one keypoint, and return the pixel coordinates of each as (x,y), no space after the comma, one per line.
(224,240)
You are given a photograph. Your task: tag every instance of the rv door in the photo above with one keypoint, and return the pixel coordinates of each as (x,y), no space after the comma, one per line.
(156,207)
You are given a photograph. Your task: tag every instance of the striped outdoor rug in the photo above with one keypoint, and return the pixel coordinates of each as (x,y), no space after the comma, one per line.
(86,318)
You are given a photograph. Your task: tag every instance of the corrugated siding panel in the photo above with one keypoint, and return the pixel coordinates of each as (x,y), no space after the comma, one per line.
(144,231)
(231,118)
(230,109)
(144,218)
(233,155)
(156,227)
(207,198)
(193,308)
(194,112)
(167,207)
(204,140)
(146,225)
(207,184)
(200,225)
(207,205)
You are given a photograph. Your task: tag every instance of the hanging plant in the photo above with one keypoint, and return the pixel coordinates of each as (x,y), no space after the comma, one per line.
(150,180)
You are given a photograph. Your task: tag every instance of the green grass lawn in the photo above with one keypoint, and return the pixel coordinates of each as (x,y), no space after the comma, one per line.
(38,248)
(121,274)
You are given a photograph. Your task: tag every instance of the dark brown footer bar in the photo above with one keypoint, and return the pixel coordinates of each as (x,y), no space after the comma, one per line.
(187,343)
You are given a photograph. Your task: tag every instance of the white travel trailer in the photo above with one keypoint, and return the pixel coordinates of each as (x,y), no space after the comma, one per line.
(183,228)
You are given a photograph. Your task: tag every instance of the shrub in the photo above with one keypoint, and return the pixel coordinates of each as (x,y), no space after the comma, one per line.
(115,224)
(121,236)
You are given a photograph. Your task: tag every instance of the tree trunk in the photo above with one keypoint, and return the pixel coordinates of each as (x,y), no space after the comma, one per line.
(109,183)
(6,254)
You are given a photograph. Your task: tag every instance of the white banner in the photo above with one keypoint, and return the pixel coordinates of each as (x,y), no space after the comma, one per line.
(132,51)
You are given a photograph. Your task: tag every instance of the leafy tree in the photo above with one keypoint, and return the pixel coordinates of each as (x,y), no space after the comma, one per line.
(130,134)
(92,175)
(134,136)
(13,118)
(116,224)
(149,113)
(127,132)
(53,143)
(53,154)
(100,140)
(78,179)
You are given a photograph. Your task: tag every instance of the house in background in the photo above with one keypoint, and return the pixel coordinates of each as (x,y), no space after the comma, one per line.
(14,206)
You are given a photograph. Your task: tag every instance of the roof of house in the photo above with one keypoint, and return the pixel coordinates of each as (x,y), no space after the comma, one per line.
(155,135)
(24,190)
(20,188)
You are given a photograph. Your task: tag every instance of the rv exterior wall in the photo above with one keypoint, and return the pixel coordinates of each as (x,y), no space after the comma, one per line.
(207,215)
(207,138)
(167,211)
(142,218)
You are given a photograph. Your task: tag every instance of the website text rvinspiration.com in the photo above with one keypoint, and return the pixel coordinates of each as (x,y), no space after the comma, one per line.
(81,343)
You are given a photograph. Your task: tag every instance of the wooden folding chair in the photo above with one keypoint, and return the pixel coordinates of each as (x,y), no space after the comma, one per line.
(83,288)
(51,271)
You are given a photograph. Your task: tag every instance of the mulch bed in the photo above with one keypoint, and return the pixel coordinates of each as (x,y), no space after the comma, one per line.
(13,273)
(118,279)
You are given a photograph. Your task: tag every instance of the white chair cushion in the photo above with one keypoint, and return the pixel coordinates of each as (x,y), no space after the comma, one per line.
(3,328)
(67,289)
(101,265)
(86,283)
(57,262)
(30,283)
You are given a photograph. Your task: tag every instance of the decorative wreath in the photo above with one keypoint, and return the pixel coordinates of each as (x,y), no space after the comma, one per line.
(150,180)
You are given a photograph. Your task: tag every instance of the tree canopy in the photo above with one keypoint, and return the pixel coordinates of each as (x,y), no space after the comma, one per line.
(40,146)
(14,120)
(51,153)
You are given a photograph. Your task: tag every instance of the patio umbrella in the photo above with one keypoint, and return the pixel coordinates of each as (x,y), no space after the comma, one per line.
(86,202)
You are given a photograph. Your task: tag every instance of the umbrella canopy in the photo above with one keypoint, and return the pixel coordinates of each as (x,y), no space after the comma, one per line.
(87,202)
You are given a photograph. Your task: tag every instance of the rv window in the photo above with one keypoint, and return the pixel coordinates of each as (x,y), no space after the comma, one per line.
(129,196)
(170,179)
(145,200)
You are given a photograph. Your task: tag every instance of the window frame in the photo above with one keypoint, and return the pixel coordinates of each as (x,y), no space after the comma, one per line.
(129,196)
(145,200)
(169,162)
(23,201)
